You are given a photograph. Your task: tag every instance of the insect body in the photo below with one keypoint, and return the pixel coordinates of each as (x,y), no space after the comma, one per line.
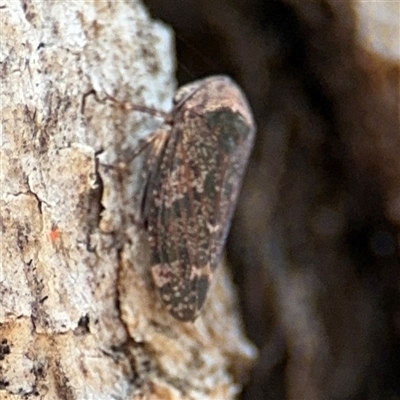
(197,163)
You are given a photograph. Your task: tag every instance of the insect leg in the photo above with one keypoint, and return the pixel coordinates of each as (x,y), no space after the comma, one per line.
(137,107)
(159,142)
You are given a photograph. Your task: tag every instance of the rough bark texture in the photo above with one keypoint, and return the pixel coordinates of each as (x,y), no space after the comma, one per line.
(316,239)
(79,316)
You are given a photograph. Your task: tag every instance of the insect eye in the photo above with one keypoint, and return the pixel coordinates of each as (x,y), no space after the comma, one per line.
(231,127)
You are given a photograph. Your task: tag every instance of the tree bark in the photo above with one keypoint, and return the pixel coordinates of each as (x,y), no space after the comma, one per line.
(79,316)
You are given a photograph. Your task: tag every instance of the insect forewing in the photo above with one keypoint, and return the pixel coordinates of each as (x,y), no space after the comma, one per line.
(194,188)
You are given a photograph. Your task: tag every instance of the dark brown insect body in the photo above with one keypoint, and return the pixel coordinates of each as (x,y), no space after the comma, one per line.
(195,174)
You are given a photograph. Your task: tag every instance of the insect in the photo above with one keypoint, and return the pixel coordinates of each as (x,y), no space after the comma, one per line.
(197,160)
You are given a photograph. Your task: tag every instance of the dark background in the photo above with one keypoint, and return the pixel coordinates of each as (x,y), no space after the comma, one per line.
(315,241)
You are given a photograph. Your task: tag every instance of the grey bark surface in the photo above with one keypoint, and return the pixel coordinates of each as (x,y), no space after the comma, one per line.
(79,316)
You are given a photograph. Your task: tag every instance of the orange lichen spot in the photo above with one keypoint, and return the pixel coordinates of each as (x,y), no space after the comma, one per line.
(54,234)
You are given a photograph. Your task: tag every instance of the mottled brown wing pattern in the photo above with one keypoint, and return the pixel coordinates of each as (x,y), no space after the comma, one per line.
(193,188)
